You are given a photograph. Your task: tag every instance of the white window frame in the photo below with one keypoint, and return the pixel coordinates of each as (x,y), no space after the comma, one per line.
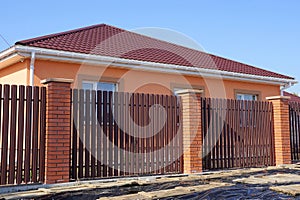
(244,121)
(245,94)
(95,84)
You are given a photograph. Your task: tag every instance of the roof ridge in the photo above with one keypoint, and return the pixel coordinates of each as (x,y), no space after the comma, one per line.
(53,35)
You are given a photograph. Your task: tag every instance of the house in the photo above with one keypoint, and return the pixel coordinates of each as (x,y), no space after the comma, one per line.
(109,58)
(293,97)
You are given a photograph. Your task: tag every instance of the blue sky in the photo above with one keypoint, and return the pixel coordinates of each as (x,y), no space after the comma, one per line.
(263,33)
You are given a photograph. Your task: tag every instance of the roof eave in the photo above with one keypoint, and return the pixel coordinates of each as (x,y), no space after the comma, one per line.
(9,57)
(57,55)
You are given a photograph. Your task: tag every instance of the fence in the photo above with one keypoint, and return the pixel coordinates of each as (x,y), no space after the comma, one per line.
(113,134)
(237,133)
(22,139)
(122,134)
(294,112)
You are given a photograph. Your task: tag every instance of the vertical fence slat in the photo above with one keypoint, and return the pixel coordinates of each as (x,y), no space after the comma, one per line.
(75,133)
(93,133)
(99,135)
(35,133)
(157,138)
(232,135)
(259,138)
(20,133)
(132,139)
(5,122)
(121,120)
(292,131)
(140,134)
(12,134)
(127,142)
(87,133)
(42,134)
(110,134)
(136,133)
(116,137)
(255,116)
(172,132)
(152,151)
(272,135)
(162,136)
(81,132)
(147,149)
(28,134)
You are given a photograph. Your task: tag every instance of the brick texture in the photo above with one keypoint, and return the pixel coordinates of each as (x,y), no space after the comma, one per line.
(281,130)
(192,134)
(57,163)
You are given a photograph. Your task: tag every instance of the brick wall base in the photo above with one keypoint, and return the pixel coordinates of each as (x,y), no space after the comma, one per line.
(281,129)
(192,133)
(58,127)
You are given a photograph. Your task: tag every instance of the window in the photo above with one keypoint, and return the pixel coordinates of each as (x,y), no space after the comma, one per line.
(249,97)
(105,86)
(246,120)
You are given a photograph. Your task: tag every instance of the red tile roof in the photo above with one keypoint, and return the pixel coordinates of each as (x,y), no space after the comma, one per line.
(294,98)
(111,41)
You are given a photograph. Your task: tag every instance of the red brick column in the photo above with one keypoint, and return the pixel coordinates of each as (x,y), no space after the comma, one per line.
(192,134)
(58,127)
(281,129)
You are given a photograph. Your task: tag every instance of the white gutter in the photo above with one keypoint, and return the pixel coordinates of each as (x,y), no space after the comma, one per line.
(7,52)
(32,60)
(57,55)
(284,87)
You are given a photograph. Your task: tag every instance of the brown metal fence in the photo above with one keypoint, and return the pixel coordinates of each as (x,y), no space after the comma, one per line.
(115,134)
(294,112)
(22,138)
(237,133)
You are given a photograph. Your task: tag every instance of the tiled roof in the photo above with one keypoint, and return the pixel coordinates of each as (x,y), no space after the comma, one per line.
(294,98)
(111,41)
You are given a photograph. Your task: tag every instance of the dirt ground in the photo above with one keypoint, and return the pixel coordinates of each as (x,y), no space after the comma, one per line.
(256,183)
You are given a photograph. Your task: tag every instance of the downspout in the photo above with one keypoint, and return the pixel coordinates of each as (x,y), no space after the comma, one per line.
(31,69)
(284,87)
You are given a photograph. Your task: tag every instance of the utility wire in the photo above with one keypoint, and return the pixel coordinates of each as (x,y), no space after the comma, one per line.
(5,41)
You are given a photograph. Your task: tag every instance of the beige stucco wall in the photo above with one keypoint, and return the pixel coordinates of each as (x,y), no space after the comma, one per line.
(15,74)
(131,80)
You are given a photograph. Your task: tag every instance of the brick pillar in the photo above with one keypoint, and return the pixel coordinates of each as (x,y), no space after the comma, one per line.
(281,129)
(192,134)
(58,130)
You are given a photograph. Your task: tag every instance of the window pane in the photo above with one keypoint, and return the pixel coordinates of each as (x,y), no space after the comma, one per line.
(249,97)
(106,86)
(239,97)
(87,86)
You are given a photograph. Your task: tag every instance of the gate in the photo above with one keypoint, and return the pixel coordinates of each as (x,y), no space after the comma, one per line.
(119,134)
(294,112)
(237,134)
(22,137)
